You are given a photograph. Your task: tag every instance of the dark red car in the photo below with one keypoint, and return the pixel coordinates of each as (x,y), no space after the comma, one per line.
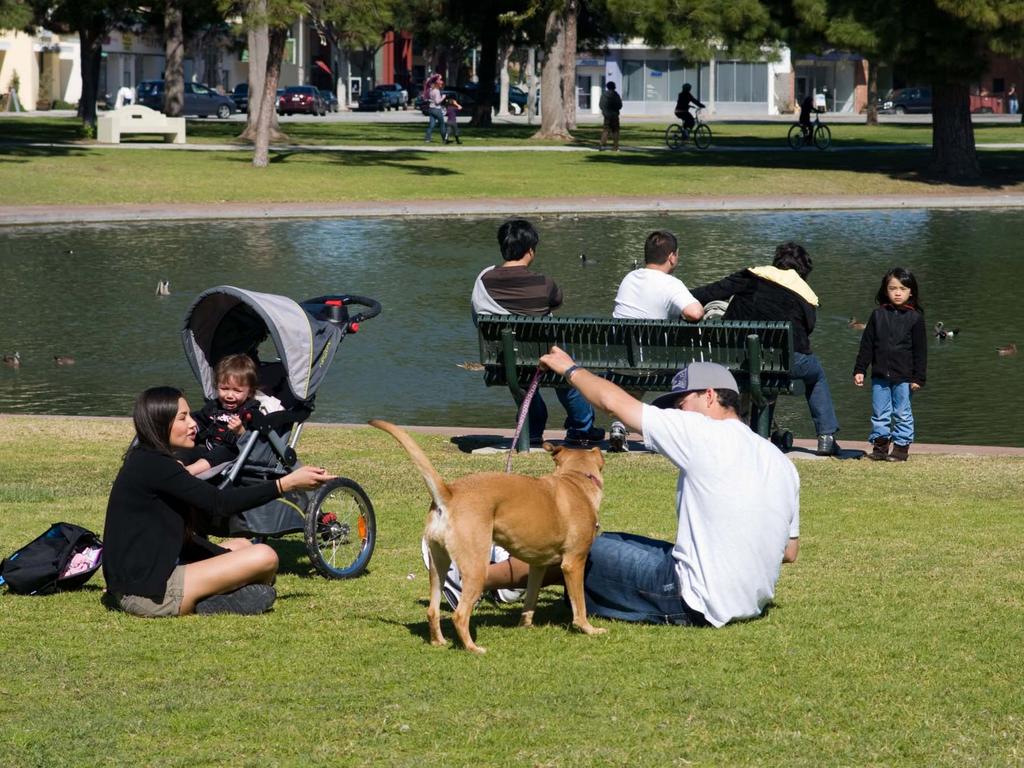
(301,98)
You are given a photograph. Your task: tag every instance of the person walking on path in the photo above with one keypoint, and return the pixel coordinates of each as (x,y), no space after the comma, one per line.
(780,292)
(513,289)
(1011,100)
(895,345)
(611,106)
(435,110)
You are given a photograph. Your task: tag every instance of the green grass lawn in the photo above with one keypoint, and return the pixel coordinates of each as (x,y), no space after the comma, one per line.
(88,174)
(634,132)
(893,640)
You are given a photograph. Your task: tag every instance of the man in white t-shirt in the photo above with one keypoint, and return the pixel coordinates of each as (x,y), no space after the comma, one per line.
(737,503)
(651,293)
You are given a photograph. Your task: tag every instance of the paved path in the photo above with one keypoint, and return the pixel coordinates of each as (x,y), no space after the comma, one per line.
(564,206)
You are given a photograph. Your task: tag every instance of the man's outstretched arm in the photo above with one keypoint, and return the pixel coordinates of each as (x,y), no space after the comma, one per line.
(599,392)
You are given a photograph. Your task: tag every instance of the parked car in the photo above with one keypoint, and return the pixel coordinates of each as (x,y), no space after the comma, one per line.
(241,97)
(395,94)
(372,100)
(200,99)
(908,100)
(301,98)
(517,97)
(330,100)
(384,97)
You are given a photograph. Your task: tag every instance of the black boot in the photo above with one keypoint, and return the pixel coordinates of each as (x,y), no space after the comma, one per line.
(881,450)
(827,446)
(899,452)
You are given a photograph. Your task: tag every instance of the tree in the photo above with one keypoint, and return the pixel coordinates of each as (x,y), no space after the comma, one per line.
(14,14)
(174,51)
(93,20)
(947,43)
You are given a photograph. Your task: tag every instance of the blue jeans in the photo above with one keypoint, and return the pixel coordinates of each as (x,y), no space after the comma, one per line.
(819,398)
(436,116)
(633,578)
(579,413)
(890,404)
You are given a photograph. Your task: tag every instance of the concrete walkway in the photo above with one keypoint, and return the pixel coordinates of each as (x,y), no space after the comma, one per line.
(562,206)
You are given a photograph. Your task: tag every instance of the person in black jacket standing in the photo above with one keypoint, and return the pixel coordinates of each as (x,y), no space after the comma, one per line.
(895,345)
(154,563)
(780,292)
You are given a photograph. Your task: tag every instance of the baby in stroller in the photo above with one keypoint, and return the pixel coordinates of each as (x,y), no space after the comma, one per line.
(223,421)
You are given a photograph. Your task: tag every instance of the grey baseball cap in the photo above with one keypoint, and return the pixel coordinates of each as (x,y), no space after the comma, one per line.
(696,377)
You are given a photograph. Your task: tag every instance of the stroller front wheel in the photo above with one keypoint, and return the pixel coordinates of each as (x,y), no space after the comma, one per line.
(340,530)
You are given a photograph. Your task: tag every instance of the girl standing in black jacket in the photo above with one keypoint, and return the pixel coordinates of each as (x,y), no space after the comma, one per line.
(895,345)
(153,562)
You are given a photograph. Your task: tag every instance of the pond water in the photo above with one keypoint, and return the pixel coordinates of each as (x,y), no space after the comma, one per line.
(88,291)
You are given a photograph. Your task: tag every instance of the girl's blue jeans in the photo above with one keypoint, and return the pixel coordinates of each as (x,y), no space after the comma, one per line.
(891,416)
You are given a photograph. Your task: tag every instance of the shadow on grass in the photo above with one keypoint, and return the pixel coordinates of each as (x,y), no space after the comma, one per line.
(1000,168)
(552,610)
(411,161)
(14,153)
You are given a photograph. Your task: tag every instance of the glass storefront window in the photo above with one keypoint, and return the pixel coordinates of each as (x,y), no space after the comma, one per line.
(741,81)
(658,80)
(632,80)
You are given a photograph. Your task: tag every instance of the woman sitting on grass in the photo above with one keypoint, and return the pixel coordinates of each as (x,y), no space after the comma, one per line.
(154,563)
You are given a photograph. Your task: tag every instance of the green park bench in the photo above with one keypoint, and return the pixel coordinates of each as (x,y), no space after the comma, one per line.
(640,354)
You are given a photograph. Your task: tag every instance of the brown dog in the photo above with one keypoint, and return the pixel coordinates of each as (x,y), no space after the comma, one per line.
(542,520)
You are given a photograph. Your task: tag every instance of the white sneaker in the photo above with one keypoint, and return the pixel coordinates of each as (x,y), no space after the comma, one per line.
(618,438)
(452,587)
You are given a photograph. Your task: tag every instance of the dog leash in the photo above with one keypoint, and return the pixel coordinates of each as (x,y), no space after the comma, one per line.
(523,409)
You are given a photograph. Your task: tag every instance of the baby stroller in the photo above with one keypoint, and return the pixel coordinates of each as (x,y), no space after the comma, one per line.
(337,520)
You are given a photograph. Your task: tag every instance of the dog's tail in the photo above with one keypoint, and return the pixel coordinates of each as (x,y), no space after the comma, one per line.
(439,490)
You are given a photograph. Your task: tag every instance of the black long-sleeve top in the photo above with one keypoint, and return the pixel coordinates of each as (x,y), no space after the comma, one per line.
(895,345)
(145,531)
(754,298)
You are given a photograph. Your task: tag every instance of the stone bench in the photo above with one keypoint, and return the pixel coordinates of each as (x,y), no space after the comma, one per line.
(139,119)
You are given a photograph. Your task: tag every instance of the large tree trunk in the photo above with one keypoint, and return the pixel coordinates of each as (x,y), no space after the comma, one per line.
(504,54)
(91,43)
(872,111)
(552,116)
(174,69)
(531,84)
(485,77)
(953,153)
(572,12)
(275,53)
(258,42)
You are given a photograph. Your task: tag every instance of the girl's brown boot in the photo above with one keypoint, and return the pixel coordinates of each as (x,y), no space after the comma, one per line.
(881,449)
(899,452)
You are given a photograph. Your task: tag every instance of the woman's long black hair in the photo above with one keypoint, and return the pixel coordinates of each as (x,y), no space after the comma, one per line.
(154,412)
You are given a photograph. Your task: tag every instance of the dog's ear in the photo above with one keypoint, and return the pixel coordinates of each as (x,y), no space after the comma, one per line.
(554,450)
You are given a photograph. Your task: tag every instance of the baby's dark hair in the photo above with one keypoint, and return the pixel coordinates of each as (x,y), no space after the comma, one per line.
(240,367)
(906,277)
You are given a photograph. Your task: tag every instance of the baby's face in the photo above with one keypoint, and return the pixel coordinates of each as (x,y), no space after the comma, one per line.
(232,393)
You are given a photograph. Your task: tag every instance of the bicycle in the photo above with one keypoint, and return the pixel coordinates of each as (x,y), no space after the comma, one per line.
(676,135)
(818,134)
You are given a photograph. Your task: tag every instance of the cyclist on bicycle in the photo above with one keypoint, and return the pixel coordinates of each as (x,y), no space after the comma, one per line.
(686,98)
(806,108)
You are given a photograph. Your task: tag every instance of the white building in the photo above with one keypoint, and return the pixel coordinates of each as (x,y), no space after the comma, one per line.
(649,81)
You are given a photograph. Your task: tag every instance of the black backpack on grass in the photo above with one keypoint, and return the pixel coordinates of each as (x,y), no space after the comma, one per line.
(63,558)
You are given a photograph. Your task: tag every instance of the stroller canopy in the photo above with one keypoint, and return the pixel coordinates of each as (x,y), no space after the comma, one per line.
(227,320)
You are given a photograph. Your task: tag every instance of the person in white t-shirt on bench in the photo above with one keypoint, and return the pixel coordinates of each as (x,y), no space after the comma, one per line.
(652,293)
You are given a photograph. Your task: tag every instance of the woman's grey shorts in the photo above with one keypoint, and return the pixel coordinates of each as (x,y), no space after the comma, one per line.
(147,608)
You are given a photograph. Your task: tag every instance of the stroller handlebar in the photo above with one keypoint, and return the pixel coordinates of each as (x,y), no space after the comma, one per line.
(334,308)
